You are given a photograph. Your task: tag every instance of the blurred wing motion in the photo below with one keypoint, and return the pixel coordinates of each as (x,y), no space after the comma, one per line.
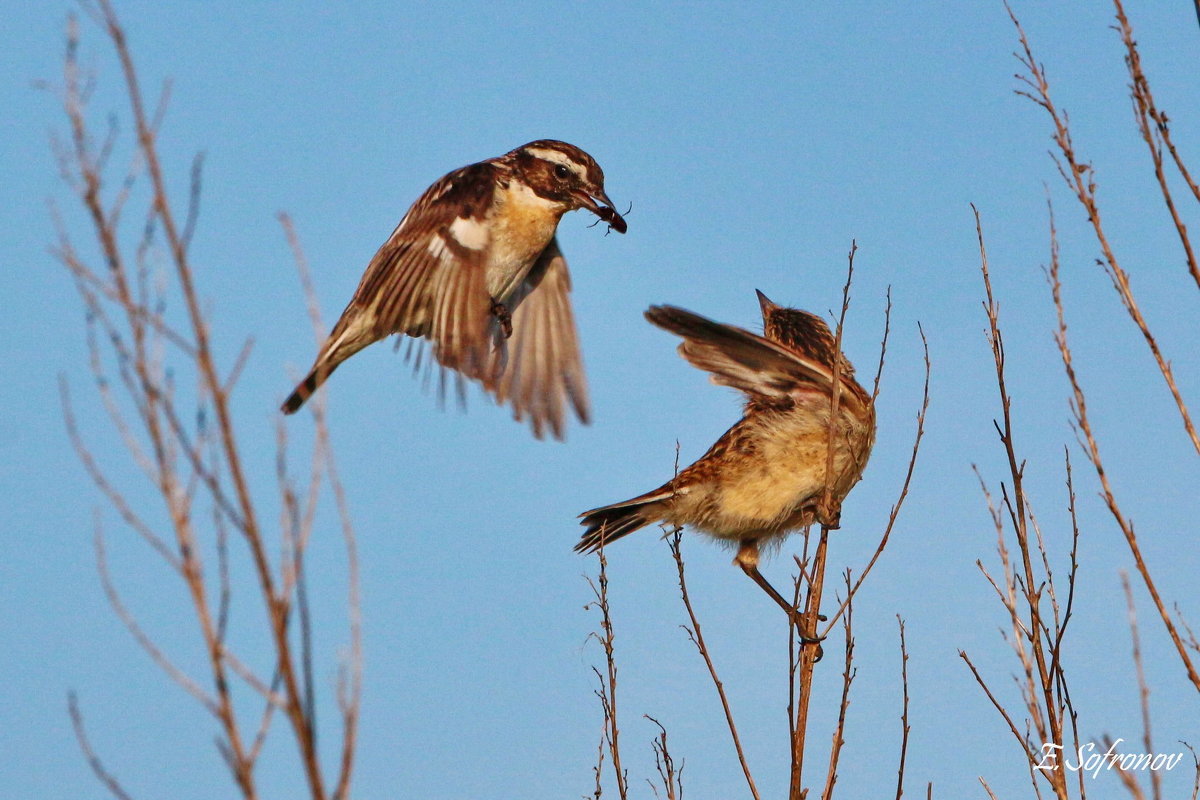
(539,369)
(423,282)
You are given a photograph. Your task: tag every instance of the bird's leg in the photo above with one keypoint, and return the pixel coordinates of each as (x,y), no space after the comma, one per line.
(771,591)
(747,559)
(503,316)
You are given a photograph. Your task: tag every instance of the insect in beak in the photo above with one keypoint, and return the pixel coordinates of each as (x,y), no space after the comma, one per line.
(605,212)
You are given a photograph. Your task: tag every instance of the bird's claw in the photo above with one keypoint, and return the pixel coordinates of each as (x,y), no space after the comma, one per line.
(800,621)
(503,316)
(829,515)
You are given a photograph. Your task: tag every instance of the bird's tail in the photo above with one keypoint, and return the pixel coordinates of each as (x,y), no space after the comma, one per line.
(606,525)
(354,331)
(304,390)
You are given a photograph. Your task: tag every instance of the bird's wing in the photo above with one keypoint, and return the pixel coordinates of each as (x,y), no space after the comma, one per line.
(749,363)
(428,277)
(539,369)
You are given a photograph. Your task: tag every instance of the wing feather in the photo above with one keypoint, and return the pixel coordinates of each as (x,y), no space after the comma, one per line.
(422,282)
(542,369)
(749,363)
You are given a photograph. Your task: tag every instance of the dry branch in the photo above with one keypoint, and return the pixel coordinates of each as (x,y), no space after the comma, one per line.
(188,466)
(696,635)
(606,690)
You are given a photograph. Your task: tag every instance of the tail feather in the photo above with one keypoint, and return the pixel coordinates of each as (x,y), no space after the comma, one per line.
(353,332)
(304,390)
(606,525)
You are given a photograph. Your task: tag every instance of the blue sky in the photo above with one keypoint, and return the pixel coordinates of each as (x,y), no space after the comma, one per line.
(754,144)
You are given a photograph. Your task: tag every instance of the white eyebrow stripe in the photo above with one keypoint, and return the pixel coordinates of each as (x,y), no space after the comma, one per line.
(558,157)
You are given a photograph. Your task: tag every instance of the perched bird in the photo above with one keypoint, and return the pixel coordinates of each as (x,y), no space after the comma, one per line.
(767,475)
(474,267)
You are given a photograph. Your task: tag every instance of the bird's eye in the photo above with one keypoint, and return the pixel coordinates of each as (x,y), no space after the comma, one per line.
(562,171)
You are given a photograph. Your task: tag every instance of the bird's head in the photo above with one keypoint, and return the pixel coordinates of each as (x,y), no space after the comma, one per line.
(801,331)
(562,172)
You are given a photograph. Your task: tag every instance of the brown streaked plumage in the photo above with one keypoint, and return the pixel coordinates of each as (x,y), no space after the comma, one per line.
(474,268)
(766,476)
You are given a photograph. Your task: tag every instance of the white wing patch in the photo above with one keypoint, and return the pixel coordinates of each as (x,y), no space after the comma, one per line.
(470,233)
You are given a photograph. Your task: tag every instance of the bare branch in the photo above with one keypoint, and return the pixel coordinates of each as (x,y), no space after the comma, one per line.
(670,777)
(139,635)
(887,329)
(894,514)
(114,497)
(1143,687)
(1154,127)
(188,466)
(607,691)
(1029,754)
(1079,411)
(107,778)
(848,673)
(1080,179)
(697,638)
(904,726)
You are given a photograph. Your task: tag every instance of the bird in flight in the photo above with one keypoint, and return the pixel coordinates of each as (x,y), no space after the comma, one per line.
(769,474)
(475,269)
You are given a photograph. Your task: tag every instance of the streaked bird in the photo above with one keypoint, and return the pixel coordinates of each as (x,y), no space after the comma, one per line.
(474,268)
(767,475)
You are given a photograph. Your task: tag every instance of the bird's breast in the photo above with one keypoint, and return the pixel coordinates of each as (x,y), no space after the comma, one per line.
(521,227)
(777,465)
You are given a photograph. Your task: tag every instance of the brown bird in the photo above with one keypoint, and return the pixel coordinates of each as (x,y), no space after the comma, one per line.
(474,267)
(767,475)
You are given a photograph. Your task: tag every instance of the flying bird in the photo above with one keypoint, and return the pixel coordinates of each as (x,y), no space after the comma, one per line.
(474,267)
(767,475)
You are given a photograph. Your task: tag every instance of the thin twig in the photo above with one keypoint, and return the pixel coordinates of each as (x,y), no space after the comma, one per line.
(141,637)
(607,691)
(1036,644)
(1029,754)
(848,674)
(1080,179)
(1079,411)
(126,300)
(107,778)
(1155,129)
(670,777)
(1143,686)
(697,638)
(350,683)
(887,329)
(894,514)
(904,726)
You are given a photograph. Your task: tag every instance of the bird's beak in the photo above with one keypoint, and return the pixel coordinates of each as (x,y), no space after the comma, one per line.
(603,209)
(765,303)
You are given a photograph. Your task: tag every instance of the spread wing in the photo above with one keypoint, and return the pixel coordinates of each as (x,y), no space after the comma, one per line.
(749,363)
(539,368)
(428,280)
